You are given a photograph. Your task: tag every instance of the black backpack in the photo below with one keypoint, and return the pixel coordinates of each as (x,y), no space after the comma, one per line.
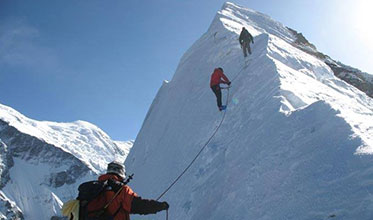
(91,190)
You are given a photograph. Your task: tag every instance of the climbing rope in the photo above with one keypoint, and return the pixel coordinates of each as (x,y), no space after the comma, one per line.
(204,146)
(235,77)
(195,158)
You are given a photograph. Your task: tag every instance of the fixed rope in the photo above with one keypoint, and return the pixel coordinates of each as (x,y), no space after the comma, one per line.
(235,77)
(199,153)
(204,146)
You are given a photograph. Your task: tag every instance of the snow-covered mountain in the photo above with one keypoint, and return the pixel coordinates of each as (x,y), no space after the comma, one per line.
(296,142)
(361,80)
(42,163)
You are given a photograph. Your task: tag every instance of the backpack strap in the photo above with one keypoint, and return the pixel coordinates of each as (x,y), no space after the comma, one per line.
(112,199)
(103,210)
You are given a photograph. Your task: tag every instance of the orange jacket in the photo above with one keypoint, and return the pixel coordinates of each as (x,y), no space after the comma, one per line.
(121,205)
(216,78)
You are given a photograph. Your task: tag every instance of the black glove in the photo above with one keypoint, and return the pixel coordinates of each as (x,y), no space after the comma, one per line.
(228,83)
(165,205)
(252,41)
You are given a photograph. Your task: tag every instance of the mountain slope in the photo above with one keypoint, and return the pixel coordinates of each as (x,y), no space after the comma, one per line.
(42,163)
(362,81)
(296,142)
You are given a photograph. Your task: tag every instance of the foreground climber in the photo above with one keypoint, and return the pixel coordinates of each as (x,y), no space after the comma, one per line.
(111,198)
(245,39)
(216,79)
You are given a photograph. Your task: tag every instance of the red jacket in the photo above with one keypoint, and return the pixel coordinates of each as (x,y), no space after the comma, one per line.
(121,203)
(216,78)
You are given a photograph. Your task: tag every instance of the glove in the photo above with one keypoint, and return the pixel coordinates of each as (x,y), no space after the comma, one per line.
(252,41)
(228,83)
(165,206)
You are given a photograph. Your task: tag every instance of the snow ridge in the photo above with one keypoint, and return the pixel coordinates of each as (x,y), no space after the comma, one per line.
(296,142)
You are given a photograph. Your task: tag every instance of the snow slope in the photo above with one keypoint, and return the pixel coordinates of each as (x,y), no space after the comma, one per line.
(43,163)
(79,138)
(296,142)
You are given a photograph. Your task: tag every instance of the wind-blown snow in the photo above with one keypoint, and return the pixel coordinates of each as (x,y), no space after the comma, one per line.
(296,142)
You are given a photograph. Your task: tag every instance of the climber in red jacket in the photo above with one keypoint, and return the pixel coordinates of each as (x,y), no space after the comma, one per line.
(216,79)
(120,204)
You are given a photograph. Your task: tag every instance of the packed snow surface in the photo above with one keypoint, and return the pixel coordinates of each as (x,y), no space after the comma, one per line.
(296,143)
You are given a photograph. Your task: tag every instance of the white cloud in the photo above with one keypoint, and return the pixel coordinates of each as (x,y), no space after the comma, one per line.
(19,47)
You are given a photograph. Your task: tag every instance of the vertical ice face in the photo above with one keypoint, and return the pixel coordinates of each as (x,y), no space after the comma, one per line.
(289,148)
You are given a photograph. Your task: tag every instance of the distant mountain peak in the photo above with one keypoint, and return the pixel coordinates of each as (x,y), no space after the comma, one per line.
(42,163)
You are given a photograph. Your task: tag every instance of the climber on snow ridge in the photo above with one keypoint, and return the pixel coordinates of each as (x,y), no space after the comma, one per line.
(216,79)
(245,39)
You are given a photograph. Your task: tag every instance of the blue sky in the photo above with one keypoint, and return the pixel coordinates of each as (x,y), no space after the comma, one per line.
(103,61)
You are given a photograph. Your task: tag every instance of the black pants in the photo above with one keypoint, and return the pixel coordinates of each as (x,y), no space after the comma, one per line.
(246,47)
(217,90)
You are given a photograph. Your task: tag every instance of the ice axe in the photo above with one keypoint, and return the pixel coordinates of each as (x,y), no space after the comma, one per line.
(128,179)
